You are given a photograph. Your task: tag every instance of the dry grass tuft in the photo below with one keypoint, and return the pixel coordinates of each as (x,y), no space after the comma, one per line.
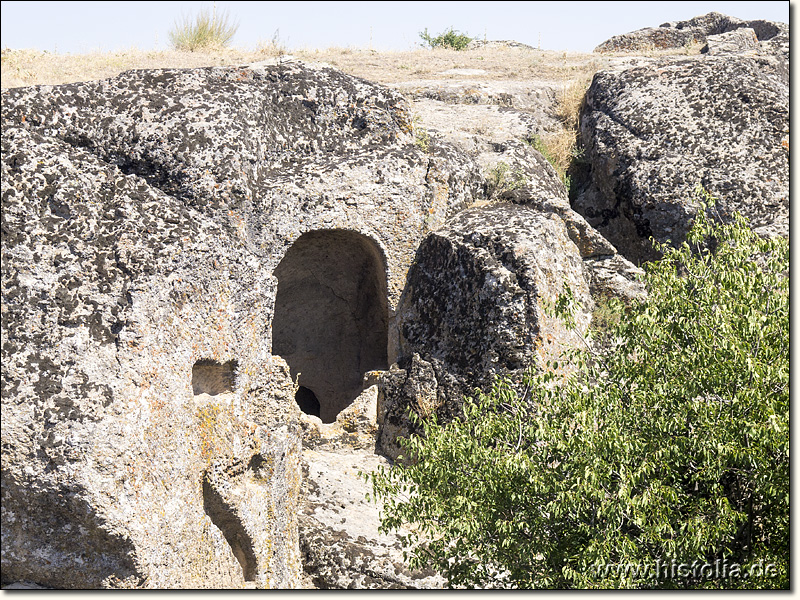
(570,100)
(560,147)
(207,31)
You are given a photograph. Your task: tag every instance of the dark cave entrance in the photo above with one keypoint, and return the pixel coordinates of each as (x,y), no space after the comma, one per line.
(307,401)
(331,317)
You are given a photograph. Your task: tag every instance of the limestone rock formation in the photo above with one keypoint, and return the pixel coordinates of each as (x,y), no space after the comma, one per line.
(339,538)
(493,122)
(738,40)
(653,133)
(146,432)
(151,433)
(224,288)
(475,307)
(773,36)
(478,43)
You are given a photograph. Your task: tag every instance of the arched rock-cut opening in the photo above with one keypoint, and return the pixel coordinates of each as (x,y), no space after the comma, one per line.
(331,315)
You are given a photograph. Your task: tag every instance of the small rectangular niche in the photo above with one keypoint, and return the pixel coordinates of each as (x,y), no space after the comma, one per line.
(212,377)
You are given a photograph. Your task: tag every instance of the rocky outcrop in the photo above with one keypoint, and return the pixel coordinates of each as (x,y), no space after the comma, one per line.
(529,180)
(477,43)
(150,436)
(475,307)
(340,542)
(201,266)
(705,29)
(496,131)
(131,456)
(738,40)
(653,133)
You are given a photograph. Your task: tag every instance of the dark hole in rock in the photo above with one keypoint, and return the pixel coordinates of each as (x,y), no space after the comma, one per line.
(307,401)
(212,377)
(331,315)
(224,516)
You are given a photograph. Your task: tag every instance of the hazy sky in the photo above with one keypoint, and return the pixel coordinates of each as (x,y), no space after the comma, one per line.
(77,27)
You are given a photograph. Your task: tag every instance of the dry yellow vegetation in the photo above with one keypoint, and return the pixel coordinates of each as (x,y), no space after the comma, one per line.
(33,67)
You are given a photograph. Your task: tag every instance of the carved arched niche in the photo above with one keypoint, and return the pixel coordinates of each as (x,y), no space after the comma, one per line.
(331,316)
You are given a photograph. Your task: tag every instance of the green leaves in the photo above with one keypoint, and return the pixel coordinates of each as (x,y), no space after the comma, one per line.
(449,38)
(670,446)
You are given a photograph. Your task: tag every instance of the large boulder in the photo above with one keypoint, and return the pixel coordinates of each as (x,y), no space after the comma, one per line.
(653,133)
(738,40)
(475,307)
(772,37)
(529,180)
(151,434)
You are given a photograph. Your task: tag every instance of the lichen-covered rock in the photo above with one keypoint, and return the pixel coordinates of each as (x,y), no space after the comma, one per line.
(517,173)
(477,290)
(738,40)
(273,150)
(149,435)
(475,308)
(653,133)
(773,36)
(116,297)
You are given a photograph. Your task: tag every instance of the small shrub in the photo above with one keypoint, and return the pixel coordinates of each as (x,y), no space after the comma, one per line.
(422,138)
(204,32)
(449,39)
(502,178)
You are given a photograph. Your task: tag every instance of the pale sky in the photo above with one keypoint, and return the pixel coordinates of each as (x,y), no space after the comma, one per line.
(79,27)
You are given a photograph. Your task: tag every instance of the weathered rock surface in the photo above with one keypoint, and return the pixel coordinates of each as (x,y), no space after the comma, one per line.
(493,123)
(773,36)
(497,44)
(279,149)
(339,538)
(123,463)
(475,307)
(738,40)
(149,436)
(653,133)
(355,427)
(170,237)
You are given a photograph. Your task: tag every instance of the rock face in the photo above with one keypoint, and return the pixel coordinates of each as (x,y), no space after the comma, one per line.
(493,123)
(705,29)
(475,307)
(738,40)
(147,433)
(339,538)
(653,133)
(150,431)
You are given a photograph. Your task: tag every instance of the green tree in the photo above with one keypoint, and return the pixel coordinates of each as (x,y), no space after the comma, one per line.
(662,462)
